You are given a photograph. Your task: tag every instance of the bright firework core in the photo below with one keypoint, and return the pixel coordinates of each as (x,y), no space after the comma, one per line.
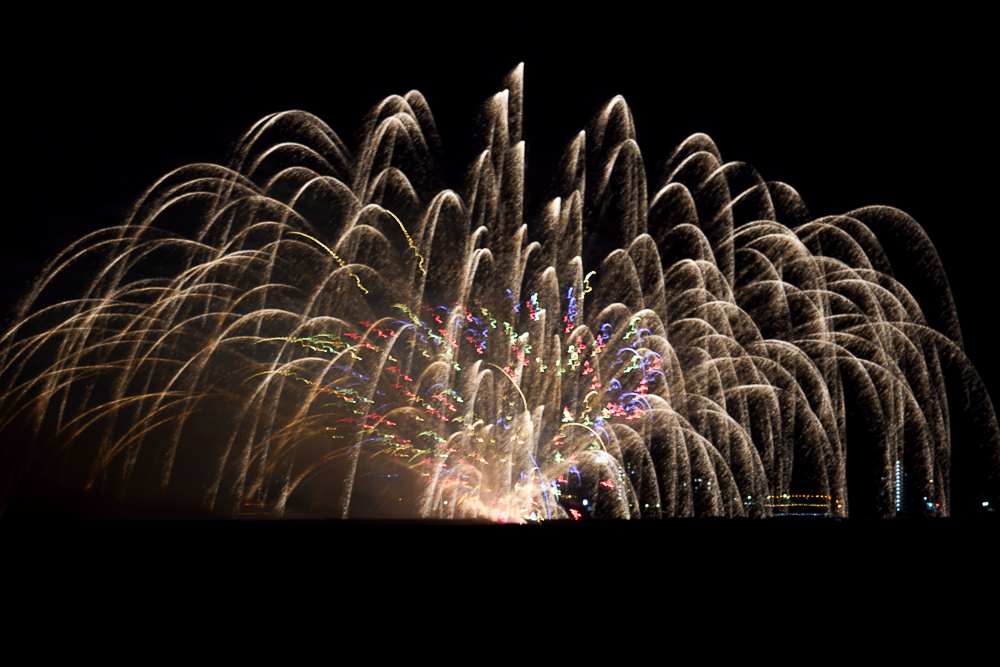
(314,333)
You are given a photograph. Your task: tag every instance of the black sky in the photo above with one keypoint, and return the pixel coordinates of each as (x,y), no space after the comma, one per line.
(847,110)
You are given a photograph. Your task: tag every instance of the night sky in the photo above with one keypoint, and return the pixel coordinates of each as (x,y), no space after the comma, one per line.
(848,112)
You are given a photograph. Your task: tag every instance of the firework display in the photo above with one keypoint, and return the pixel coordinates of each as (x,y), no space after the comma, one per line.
(311,332)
